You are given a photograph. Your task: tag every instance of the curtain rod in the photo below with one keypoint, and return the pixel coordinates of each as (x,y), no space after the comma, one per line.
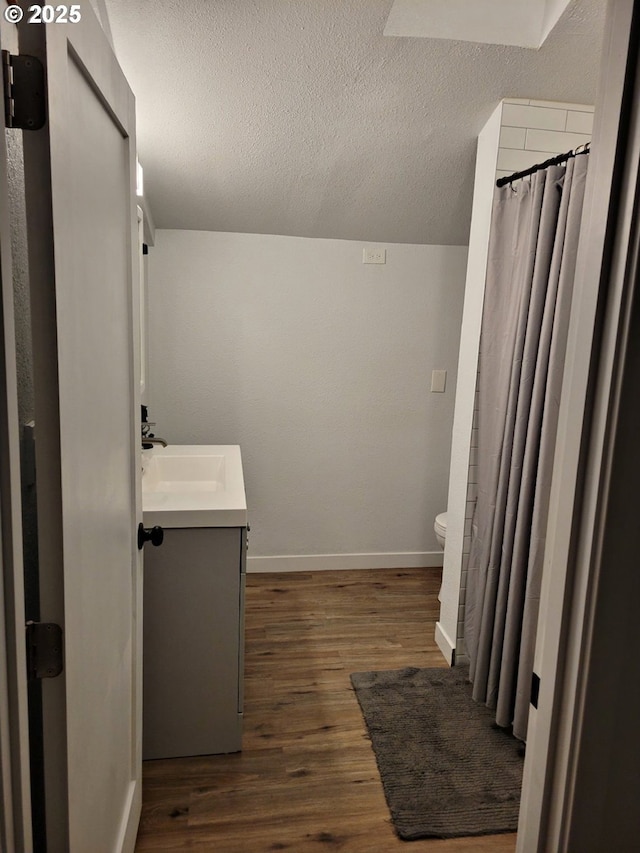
(554,161)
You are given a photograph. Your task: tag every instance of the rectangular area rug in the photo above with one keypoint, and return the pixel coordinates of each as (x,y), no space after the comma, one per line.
(446,769)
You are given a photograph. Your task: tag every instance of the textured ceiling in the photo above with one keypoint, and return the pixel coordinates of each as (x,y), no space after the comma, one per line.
(299,117)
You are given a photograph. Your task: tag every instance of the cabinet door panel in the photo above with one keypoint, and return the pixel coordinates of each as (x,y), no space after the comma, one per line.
(192,643)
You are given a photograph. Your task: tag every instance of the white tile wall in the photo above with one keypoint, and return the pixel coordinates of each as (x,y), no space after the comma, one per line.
(538,128)
(468,520)
(512,160)
(532,131)
(560,105)
(518,115)
(552,141)
(512,137)
(580,122)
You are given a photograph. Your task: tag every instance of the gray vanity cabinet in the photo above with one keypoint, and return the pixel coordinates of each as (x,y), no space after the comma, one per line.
(193,645)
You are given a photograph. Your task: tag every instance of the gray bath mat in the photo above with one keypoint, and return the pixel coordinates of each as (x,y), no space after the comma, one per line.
(447,771)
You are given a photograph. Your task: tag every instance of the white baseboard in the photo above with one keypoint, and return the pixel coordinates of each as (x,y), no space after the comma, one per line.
(325,562)
(445,644)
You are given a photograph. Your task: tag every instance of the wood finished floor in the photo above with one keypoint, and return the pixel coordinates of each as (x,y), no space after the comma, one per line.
(306,779)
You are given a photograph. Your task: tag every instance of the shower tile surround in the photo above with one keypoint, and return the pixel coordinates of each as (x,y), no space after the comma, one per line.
(531,131)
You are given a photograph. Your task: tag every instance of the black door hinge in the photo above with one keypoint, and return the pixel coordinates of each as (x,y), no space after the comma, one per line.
(535,689)
(24,91)
(44,649)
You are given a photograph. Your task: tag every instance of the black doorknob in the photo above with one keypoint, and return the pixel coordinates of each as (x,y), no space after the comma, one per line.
(155,535)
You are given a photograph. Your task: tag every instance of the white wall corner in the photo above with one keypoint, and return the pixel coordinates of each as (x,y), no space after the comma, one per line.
(486,163)
(445,644)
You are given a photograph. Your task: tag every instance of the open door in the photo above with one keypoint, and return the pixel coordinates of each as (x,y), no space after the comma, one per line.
(83,269)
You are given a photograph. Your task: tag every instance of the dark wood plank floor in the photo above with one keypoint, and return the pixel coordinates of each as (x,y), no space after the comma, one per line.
(306,779)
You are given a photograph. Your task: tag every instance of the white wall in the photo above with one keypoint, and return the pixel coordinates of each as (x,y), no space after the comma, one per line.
(519,133)
(319,367)
(457,510)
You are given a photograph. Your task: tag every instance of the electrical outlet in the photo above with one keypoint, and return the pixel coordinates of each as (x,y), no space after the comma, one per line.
(374,256)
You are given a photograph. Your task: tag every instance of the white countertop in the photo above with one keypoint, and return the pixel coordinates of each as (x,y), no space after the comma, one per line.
(192,485)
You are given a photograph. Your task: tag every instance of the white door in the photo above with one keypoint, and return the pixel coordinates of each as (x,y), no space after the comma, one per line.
(83,258)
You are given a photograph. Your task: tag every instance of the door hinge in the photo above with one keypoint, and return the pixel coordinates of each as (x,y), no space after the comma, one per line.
(44,649)
(24,91)
(535,689)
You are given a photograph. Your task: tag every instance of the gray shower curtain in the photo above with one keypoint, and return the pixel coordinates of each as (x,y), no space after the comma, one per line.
(532,252)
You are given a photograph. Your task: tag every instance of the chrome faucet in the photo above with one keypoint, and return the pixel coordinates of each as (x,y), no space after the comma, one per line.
(148,438)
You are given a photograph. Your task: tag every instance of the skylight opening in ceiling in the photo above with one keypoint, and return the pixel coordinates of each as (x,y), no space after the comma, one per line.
(521,23)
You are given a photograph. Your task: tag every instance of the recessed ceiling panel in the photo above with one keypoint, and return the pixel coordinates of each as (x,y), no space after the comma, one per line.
(522,23)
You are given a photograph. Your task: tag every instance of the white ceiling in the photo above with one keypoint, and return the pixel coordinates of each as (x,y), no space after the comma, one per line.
(299,117)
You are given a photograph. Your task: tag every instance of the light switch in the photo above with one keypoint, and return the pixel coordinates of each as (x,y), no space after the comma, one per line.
(438,380)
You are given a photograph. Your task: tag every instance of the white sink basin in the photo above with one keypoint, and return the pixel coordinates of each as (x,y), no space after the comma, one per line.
(193,486)
(177,472)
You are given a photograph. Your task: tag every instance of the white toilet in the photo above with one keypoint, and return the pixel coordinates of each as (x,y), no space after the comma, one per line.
(440,528)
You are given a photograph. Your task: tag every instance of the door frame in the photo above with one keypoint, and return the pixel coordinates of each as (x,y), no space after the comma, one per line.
(574,577)
(15,796)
